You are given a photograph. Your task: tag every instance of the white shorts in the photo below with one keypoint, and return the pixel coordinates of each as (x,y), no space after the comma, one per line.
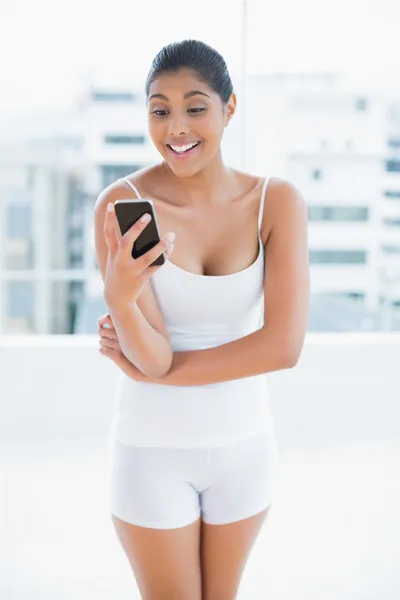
(166,488)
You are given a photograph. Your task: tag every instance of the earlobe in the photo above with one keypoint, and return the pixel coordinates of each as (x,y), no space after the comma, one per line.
(229,114)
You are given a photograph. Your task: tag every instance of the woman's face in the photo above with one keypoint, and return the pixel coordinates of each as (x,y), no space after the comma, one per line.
(186,121)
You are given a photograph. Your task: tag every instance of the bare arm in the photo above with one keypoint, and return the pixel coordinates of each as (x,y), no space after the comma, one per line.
(278,344)
(145,347)
(141,331)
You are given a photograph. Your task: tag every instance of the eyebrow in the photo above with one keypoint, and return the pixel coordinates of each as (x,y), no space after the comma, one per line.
(186,96)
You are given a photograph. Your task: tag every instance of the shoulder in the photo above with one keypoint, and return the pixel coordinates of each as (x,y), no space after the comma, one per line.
(283,203)
(282,194)
(282,197)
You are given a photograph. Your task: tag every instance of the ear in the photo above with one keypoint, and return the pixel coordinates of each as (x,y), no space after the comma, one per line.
(230,109)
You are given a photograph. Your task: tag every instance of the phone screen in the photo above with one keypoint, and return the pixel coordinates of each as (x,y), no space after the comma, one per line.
(128,212)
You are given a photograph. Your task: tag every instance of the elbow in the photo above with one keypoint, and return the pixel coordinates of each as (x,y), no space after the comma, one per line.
(291,361)
(286,348)
(157,371)
(291,356)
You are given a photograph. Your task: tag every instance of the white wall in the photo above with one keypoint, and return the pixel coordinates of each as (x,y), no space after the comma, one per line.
(344,389)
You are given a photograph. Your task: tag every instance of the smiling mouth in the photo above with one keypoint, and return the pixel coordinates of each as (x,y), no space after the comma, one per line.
(183,150)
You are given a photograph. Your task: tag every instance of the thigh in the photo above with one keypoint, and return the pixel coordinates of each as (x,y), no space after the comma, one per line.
(155,512)
(165,562)
(244,480)
(224,552)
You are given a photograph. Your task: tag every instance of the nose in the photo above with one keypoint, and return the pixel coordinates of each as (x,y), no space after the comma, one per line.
(178,125)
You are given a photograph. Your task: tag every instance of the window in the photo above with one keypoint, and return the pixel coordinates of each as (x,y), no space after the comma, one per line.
(76,261)
(20,300)
(19,245)
(338,257)
(316,174)
(392,194)
(19,221)
(393,165)
(338,213)
(19,314)
(356,295)
(391,222)
(125,139)
(20,307)
(110,173)
(389,249)
(394,143)
(361,104)
(359,296)
(113,96)
(65,299)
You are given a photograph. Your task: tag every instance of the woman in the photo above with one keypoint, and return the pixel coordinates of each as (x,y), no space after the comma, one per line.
(194,455)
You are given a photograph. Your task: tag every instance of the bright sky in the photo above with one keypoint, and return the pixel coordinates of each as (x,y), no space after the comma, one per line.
(48,49)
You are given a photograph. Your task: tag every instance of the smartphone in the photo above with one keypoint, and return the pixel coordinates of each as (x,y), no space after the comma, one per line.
(128,212)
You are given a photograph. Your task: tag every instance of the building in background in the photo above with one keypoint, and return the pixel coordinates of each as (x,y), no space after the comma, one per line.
(49,180)
(41,223)
(390,213)
(340,146)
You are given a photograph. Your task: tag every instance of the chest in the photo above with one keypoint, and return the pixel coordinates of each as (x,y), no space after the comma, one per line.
(215,242)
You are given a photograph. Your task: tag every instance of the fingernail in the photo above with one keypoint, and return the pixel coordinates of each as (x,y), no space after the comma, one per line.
(145,218)
(110,207)
(170,237)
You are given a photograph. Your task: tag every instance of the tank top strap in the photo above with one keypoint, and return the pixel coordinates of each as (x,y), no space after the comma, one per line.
(133,187)
(262,201)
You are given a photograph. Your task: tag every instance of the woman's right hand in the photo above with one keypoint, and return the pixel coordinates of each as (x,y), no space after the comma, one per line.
(126,276)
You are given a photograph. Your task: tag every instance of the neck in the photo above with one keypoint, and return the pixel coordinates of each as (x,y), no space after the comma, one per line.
(206,185)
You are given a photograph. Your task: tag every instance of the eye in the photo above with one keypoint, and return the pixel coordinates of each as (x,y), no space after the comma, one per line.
(159,113)
(196,110)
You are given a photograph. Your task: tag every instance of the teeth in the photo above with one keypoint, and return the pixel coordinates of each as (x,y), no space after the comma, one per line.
(181,149)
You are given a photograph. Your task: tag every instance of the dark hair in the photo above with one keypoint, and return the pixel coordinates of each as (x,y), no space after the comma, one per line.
(195,55)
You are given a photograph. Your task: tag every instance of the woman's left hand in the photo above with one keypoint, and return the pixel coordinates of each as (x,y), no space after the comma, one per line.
(110,347)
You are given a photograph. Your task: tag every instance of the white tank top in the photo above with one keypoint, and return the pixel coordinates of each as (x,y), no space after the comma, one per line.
(200,311)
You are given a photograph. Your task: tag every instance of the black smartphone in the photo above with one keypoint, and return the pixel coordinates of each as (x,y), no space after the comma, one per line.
(128,212)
